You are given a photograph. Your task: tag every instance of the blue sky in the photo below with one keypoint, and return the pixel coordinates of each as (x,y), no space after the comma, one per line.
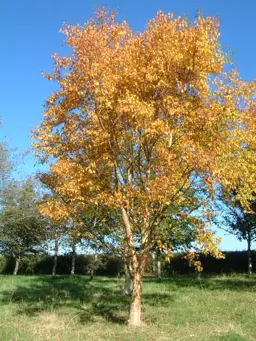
(30,34)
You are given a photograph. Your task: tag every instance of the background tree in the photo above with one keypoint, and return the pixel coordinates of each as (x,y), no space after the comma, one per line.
(238,220)
(178,228)
(6,166)
(137,118)
(22,227)
(73,240)
(177,236)
(92,228)
(76,234)
(56,236)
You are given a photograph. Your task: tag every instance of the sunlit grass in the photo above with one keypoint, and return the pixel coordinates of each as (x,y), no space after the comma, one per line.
(179,308)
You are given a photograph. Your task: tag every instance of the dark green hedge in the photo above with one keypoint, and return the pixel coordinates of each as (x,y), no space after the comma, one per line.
(42,264)
(235,261)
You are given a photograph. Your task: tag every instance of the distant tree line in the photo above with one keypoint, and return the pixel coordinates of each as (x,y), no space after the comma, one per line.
(111,265)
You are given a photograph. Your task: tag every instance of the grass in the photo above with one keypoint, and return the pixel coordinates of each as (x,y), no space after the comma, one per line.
(179,308)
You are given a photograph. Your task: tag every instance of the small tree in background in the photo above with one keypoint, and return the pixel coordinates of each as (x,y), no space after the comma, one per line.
(178,229)
(75,234)
(56,235)
(5,167)
(22,227)
(238,220)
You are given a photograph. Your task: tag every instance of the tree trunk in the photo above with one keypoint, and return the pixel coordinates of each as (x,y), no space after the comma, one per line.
(73,262)
(154,262)
(128,281)
(118,272)
(94,267)
(137,266)
(17,264)
(249,254)
(55,259)
(159,269)
(135,308)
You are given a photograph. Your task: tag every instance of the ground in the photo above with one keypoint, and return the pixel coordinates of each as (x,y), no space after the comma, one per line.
(179,308)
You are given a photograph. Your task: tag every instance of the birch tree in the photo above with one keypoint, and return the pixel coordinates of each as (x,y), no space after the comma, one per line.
(140,116)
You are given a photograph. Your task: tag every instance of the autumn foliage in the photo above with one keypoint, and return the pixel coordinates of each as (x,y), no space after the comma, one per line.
(140,118)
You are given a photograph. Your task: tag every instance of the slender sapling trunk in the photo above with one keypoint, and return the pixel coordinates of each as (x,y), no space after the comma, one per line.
(55,258)
(249,254)
(73,261)
(154,262)
(17,264)
(159,268)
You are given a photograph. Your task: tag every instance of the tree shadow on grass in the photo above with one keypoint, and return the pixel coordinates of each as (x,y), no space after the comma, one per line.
(101,297)
(45,293)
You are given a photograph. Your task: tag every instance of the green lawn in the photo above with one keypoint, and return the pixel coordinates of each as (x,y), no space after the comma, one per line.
(37,308)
